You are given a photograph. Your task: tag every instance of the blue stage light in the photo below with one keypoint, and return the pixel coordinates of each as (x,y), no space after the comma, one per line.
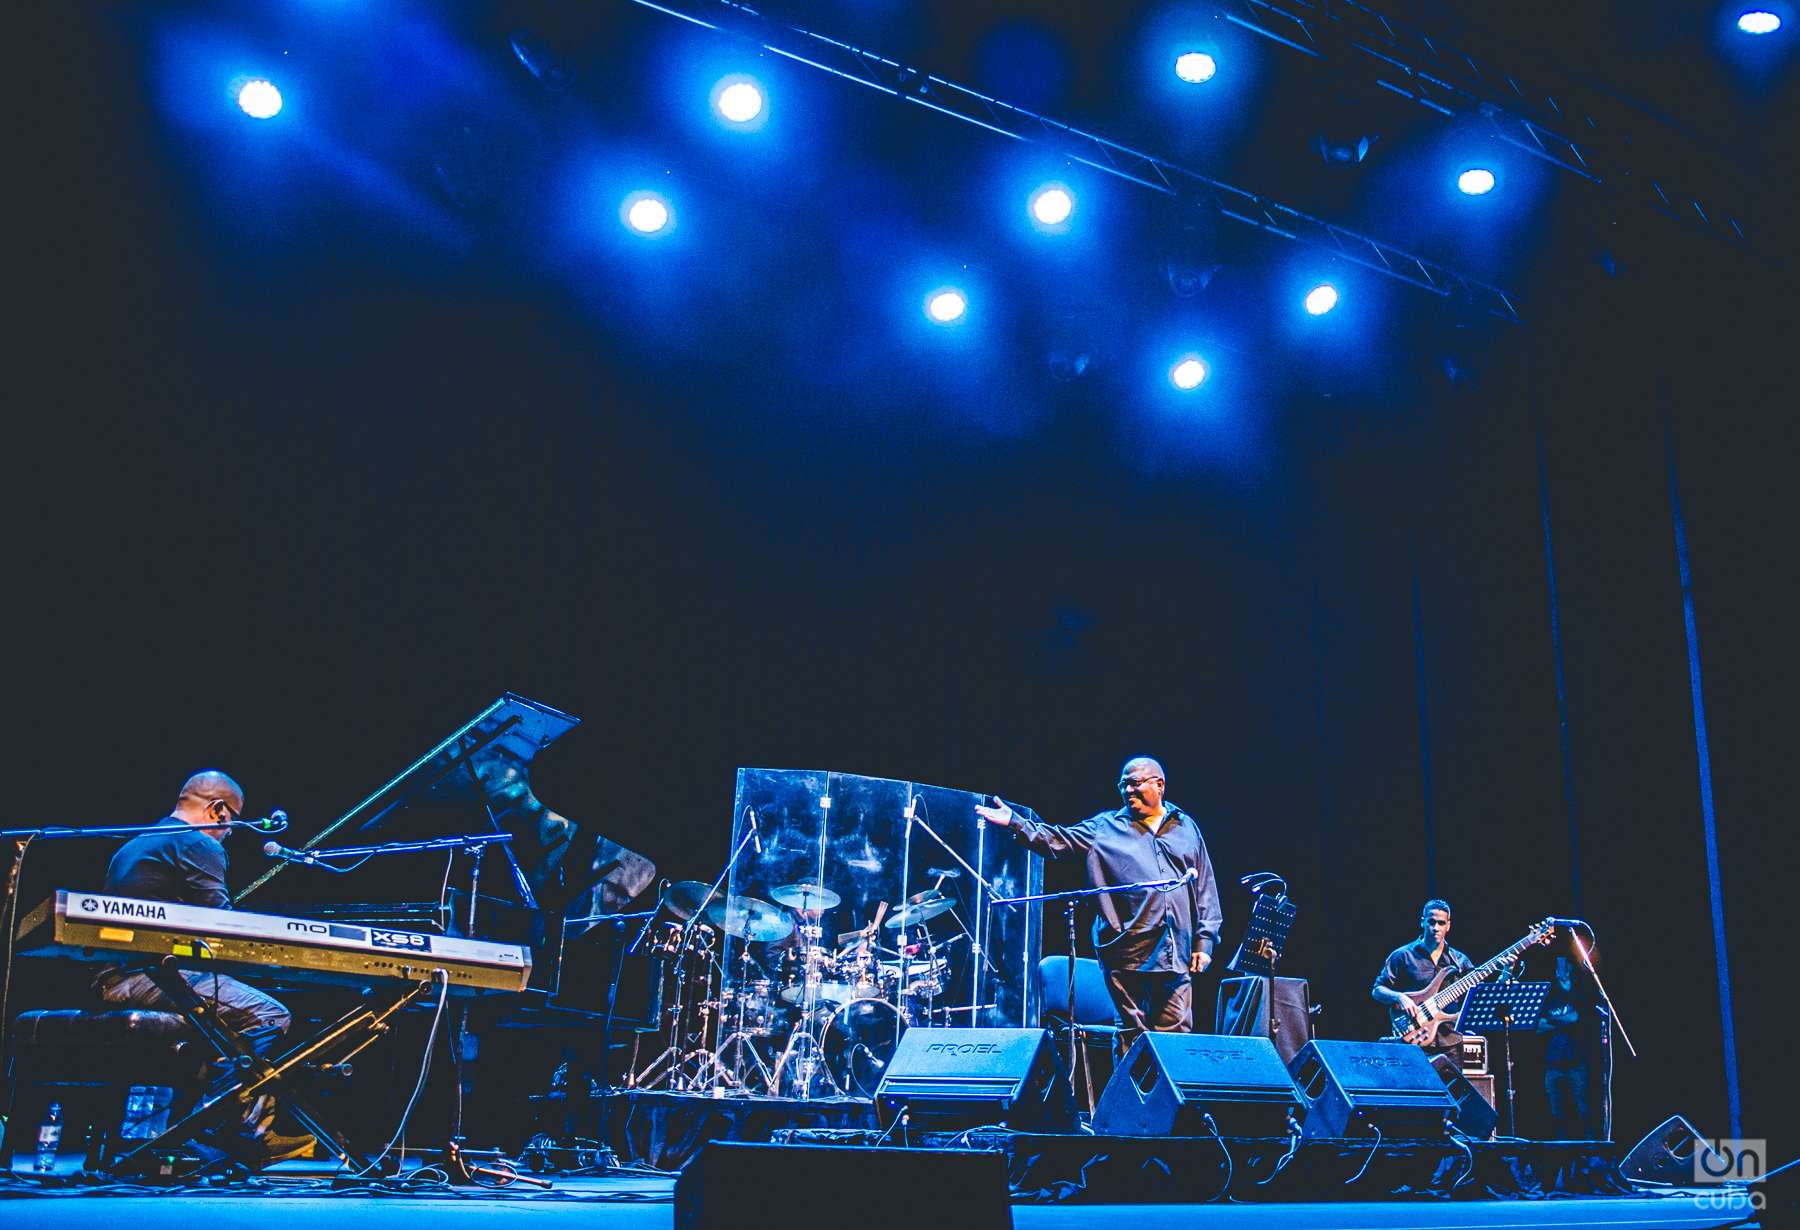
(259,99)
(1052,204)
(646,213)
(1321,299)
(1476,181)
(1188,373)
(946,306)
(1195,67)
(1759,21)
(738,100)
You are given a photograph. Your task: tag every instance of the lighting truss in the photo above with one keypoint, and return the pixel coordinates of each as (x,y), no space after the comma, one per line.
(1144,169)
(1416,66)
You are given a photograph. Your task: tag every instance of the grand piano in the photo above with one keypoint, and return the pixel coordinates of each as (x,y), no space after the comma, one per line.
(541,888)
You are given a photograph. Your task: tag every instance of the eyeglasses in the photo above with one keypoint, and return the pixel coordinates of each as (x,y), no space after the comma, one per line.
(1127,784)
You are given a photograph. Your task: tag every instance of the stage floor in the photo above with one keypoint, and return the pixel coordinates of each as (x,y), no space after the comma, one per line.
(298,1196)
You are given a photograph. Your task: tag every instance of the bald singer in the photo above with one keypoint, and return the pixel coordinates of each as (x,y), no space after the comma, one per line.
(1151,942)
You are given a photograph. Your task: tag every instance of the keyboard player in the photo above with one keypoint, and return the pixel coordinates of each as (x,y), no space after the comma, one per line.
(184,861)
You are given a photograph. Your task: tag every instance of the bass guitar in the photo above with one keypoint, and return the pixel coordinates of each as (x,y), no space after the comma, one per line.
(1436,1000)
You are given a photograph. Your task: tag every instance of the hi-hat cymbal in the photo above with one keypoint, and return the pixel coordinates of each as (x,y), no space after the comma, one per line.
(684,897)
(923,906)
(804,896)
(749,918)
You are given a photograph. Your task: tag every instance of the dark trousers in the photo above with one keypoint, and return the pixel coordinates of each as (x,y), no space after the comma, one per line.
(259,1019)
(1149,999)
(1571,1116)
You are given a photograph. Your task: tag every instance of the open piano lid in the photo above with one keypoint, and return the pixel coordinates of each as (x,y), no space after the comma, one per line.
(480,776)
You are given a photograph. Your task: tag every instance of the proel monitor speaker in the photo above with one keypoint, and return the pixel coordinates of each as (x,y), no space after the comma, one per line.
(950,1078)
(1169,1083)
(1474,1114)
(730,1185)
(1674,1153)
(1350,1087)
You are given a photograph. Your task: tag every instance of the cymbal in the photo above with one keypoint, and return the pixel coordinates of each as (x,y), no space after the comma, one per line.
(684,897)
(749,918)
(804,896)
(923,906)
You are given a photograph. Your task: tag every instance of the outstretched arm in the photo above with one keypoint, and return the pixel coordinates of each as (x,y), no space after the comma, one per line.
(1050,840)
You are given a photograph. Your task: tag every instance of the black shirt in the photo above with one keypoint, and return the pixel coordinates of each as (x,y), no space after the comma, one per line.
(1150,929)
(1410,967)
(177,862)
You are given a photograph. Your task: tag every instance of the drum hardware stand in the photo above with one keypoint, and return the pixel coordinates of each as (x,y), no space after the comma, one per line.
(673,1053)
(1071,898)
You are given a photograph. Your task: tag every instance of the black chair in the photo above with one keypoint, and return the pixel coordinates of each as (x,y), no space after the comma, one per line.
(89,1061)
(1094,1016)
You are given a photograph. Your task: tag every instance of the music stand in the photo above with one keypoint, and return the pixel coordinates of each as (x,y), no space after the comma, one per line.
(1271,918)
(1503,1006)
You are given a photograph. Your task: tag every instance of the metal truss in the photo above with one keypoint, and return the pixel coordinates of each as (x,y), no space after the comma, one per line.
(1145,169)
(1416,66)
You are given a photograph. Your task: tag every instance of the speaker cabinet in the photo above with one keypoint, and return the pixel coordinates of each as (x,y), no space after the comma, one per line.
(729,1185)
(954,1078)
(1667,1155)
(1474,1114)
(1168,1084)
(1349,1088)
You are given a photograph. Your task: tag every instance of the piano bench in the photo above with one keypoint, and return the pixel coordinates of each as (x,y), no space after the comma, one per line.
(88,1061)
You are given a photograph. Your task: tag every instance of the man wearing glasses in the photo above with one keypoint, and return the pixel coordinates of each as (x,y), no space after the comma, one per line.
(184,861)
(1151,942)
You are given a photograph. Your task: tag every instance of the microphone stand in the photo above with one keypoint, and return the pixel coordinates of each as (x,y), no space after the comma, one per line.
(1611,1022)
(1070,899)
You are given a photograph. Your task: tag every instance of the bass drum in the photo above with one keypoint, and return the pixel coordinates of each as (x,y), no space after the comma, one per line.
(859,1039)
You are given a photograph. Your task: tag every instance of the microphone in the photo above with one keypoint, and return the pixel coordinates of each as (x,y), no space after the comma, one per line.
(755,835)
(1569,922)
(275,822)
(274,849)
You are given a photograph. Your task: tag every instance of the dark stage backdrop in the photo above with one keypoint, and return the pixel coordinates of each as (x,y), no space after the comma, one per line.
(299,520)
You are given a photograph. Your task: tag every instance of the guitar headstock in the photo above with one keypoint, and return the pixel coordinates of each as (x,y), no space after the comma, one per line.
(1543,932)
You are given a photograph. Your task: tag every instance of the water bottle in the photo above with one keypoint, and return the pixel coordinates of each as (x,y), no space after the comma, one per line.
(49,1139)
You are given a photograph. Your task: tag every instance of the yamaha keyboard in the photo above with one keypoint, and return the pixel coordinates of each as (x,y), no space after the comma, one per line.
(103,927)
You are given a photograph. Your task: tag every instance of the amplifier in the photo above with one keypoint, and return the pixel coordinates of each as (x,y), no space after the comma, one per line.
(1349,1087)
(966,1077)
(1472,1055)
(1169,1084)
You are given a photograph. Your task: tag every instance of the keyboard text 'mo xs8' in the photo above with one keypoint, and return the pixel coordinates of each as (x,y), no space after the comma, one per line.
(103,927)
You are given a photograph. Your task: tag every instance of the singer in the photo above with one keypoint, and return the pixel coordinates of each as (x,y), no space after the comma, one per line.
(184,861)
(1151,943)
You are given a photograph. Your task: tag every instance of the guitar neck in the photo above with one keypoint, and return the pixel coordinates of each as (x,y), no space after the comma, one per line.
(1482,973)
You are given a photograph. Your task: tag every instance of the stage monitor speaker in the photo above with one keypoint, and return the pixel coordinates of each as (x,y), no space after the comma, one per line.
(955,1078)
(729,1185)
(1667,1155)
(1349,1088)
(1169,1083)
(1474,1114)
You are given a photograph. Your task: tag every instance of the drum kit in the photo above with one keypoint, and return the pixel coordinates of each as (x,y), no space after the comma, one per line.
(787,1013)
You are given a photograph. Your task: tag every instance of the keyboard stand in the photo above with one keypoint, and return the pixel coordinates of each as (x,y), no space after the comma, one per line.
(280,1077)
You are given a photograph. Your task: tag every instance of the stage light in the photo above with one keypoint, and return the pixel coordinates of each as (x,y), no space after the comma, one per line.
(1051,205)
(1476,181)
(946,306)
(1188,373)
(646,213)
(1759,21)
(738,100)
(1321,299)
(1195,67)
(259,99)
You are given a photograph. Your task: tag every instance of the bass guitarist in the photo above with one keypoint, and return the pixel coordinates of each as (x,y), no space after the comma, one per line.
(1411,967)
